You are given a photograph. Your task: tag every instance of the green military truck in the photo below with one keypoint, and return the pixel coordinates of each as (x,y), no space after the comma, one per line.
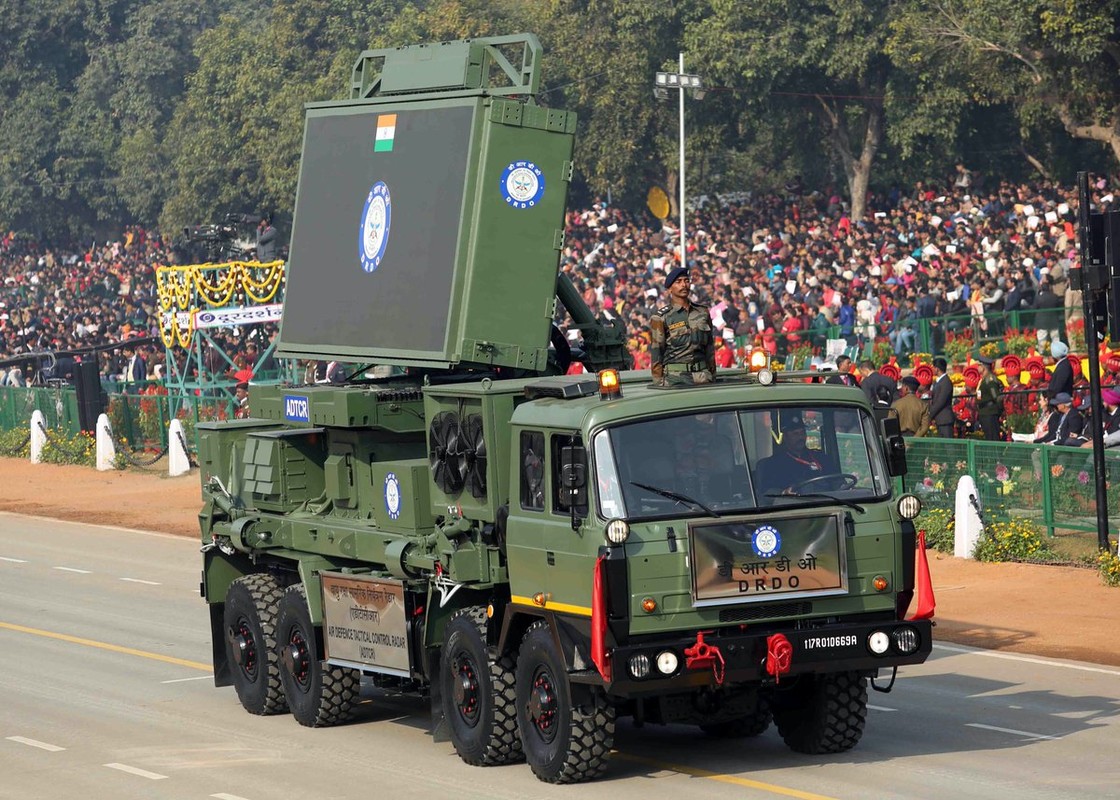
(538,553)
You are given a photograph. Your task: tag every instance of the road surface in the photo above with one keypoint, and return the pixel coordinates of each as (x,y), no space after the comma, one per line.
(107,694)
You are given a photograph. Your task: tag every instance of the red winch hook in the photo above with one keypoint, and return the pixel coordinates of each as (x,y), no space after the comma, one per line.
(702,655)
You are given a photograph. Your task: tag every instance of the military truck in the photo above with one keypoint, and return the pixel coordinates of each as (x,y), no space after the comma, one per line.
(538,553)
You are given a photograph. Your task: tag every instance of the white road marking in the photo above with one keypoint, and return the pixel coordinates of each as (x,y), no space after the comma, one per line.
(1025,659)
(141,580)
(1012,731)
(182,680)
(143,773)
(50,748)
(880,708)
(224,796)
(72,569)
(14,560)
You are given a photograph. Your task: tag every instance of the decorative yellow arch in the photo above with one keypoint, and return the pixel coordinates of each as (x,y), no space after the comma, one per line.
(183,290)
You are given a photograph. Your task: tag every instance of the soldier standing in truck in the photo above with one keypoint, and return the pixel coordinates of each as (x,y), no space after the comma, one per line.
(682,351)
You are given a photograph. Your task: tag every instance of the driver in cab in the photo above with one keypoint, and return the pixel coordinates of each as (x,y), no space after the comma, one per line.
(793,463)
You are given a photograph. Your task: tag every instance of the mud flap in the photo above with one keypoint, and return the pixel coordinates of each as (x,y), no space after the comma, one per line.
(439,730)
(222,675)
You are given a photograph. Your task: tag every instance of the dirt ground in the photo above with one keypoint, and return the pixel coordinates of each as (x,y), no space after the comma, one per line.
(1064,612)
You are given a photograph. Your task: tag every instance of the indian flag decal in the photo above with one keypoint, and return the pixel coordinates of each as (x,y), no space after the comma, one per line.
(386,130)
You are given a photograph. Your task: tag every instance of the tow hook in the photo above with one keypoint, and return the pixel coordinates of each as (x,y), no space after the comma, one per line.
(779,656)
(702,655)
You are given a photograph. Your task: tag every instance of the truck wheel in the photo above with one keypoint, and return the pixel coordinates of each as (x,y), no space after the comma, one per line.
(742,727)
(250,625)
(318,696)
(562,744)
(822,714)
(478,697)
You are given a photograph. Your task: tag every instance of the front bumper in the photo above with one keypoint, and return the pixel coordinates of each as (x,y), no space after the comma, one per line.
(818,650)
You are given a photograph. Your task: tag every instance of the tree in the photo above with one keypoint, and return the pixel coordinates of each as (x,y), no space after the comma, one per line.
(1055,59)
(823,61)
(234,141)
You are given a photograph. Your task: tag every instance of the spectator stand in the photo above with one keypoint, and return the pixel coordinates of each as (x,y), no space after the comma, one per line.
(198,300)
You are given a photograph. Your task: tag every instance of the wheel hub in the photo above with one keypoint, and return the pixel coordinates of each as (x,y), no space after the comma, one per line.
(542,704)
(465,690)
(242,647)
(296,659)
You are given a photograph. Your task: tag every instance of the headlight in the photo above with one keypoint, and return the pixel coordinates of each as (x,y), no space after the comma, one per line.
(909,506)
(667,662)
(906,640)
(639,666)
(878,642)
(765,377)
(618,531)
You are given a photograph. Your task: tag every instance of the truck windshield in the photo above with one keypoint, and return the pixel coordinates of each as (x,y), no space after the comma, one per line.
(737,461)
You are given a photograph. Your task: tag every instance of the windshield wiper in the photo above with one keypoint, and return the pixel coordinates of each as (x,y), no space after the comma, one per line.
(832,497)
(671,495)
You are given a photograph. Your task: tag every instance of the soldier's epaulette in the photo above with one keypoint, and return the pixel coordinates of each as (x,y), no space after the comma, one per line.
(664,309)
(700,305)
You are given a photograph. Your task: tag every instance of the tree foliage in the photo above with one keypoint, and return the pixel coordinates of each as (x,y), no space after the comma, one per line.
(178,111)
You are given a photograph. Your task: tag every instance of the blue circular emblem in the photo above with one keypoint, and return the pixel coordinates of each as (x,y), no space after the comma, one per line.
(766,541)
(522,184)
(392,495)
(374,233)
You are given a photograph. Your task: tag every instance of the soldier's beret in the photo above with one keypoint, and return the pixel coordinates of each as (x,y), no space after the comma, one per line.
(674,273)
(986,360)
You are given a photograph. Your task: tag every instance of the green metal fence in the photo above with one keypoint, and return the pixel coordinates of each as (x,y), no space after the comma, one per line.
(930,336)
(138,420)
(1052,486)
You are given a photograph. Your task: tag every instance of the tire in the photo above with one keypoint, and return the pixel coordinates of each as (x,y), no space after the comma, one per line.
(562,744)
(744,727)
(479,702)
(249,621)
(823,714)
(318,696)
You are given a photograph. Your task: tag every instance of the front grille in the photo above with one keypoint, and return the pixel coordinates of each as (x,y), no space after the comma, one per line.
(767,611)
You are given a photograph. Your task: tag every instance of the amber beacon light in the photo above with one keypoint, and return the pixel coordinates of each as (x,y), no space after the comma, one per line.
(610,387)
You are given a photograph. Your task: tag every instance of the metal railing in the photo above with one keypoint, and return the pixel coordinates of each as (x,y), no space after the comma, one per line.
(1050,485)
(139,421)
(947,335)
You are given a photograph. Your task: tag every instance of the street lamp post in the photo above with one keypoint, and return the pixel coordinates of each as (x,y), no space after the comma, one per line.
(663,82)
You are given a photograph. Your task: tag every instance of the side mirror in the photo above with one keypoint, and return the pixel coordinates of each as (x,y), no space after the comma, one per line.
(573,481)
(896,447)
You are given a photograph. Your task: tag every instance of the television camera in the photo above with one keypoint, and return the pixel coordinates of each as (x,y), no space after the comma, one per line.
(231,239)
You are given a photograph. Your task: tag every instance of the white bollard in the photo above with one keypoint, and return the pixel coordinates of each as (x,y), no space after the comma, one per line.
(106,450)
(38,436)
(967,525)
(178,460)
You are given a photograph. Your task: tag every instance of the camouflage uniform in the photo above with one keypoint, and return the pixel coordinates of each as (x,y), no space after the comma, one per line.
(682,350)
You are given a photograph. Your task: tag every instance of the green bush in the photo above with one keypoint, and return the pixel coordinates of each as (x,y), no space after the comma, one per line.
(938,525)
(15,443)
(1108,564)
(62,448)
(1013,540)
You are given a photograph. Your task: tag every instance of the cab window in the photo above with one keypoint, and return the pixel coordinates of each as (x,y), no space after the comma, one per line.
(560,502)
(532,470)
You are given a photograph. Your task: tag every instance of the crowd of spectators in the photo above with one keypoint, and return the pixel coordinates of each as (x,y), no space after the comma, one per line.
(98,301)
(788,267)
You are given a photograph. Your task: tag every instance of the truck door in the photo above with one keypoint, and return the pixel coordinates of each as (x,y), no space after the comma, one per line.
(545,555)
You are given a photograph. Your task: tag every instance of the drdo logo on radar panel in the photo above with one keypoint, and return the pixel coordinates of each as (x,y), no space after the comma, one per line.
(522,184)
(374,233)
